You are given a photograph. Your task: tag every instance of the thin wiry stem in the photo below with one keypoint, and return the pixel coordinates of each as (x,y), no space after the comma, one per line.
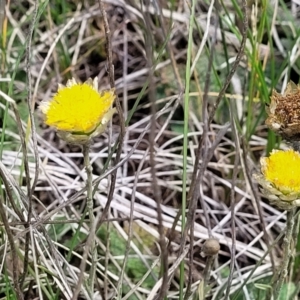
(235,64)
(90,206)
(198,194)
(2,18)
(30,104)
(130,229)
(90,244)
(232,199)
(55,222)
(125,168)
(156,188)
(295,239)
(10,236)
(119,110)
(106,281)
(287,246)
(292,268)
(27,173)
(248,175)
(185,154)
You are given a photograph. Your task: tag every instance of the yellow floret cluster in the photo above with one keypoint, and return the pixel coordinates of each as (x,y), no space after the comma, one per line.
(78,111)
(282,169)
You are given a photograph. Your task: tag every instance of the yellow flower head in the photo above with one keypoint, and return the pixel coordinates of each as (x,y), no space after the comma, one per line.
(282,169)
(78,111)
(280,178)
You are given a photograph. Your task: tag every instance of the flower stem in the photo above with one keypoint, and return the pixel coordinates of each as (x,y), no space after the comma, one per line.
(288,249)
(90,207)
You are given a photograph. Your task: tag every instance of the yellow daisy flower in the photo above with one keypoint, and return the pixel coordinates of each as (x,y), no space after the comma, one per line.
(280,178)
(78,111)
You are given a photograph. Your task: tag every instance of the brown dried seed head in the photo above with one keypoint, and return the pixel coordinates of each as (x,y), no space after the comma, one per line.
(284,112)
(211,247)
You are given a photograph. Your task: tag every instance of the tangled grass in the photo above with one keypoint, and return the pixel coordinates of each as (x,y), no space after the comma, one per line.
(173,169)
